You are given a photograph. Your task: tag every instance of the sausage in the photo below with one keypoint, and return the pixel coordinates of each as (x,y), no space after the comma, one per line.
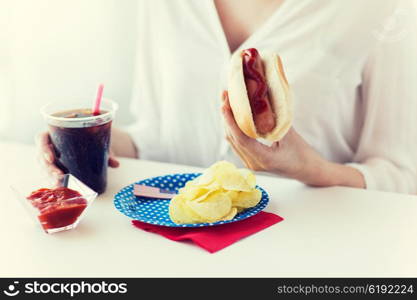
(262,112)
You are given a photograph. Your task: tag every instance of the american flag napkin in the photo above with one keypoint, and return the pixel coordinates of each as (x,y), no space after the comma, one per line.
(152,192)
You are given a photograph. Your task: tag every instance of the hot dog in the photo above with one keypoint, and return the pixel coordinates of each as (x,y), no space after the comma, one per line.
(257,89)
(259,95)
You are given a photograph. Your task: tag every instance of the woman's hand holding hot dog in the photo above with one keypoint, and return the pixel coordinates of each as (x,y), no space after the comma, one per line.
(291,157)
(259,105)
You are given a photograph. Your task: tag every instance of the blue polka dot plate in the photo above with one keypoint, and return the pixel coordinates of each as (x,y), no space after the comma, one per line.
(155,211)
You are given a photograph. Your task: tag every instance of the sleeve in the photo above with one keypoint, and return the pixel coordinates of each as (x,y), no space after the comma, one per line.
(387,149)
(145,131)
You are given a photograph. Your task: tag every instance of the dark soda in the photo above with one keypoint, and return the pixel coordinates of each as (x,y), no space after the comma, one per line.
(83,151)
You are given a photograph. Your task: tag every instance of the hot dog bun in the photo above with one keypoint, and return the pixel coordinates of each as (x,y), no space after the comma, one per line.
(278,91)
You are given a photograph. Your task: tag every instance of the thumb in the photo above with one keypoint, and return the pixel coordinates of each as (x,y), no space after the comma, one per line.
(113,162)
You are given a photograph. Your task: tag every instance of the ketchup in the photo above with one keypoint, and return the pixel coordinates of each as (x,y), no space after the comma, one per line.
(58,207)
(258,101)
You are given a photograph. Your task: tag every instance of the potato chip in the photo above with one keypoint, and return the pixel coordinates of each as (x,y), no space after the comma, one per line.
(230,215)
(206,180)
(249,177)
(240,209)
(213,208)
(247,199)
(219,193)
(234,182)
(222,166)
(232,194)
(231,178)
(195,192)
(180,213)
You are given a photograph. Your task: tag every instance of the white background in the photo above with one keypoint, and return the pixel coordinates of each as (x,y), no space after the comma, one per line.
(58,50)
(54,50)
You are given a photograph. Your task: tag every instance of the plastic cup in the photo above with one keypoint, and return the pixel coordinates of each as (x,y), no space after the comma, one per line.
(82,144)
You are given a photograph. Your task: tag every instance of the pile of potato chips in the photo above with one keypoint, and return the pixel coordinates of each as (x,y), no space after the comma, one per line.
(218,194)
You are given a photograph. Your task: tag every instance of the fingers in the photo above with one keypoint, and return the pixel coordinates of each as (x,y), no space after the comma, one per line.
(46,154)
(49,168)
(248,149)
(45,147)
(54,170)
(240,139)
(237,150)
(231,123)
(113,162)
(240,153)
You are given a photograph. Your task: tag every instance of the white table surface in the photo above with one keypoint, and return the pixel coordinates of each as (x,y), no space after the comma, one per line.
(326,232)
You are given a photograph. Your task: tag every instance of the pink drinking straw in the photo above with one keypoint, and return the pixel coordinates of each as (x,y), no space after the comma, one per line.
(97,102)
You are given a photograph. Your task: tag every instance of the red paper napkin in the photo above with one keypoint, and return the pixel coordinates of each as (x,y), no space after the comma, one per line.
(214,238)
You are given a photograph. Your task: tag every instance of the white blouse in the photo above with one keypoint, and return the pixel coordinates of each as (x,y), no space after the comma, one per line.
(352,66)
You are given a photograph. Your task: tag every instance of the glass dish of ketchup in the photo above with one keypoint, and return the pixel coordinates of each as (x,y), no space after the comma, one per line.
(55,204)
